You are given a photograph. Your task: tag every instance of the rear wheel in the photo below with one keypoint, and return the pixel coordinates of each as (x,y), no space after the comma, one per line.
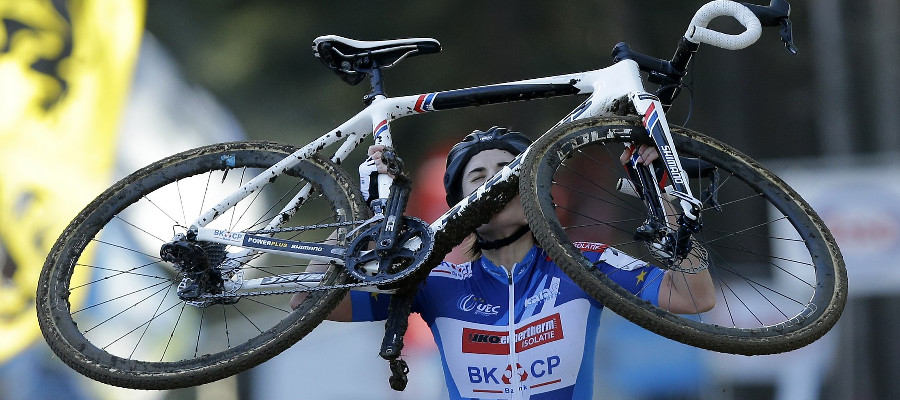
(109,306)
(779,277)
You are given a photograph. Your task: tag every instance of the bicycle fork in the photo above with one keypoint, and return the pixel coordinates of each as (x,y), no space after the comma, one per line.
(666,244)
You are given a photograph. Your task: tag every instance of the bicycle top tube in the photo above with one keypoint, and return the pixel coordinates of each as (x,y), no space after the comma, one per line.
(607,86)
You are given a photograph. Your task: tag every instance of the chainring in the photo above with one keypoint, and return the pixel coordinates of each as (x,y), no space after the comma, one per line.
(416,241)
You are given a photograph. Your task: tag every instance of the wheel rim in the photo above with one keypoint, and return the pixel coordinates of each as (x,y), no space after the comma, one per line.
(776,287)
(125,311)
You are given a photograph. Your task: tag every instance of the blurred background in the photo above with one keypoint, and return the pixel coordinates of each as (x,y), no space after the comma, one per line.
(91,90)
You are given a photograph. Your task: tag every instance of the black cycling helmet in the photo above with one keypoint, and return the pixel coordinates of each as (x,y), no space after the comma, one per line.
(474,143)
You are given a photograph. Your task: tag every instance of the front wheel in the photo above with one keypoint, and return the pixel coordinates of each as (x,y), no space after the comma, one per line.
(110,307)
(779,278)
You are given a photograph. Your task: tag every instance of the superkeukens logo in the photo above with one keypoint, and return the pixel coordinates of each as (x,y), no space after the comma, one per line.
(544,294)
(470,303)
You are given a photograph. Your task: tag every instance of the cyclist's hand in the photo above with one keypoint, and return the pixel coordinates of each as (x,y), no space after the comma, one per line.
(375,153)
(646,154)
(369,170)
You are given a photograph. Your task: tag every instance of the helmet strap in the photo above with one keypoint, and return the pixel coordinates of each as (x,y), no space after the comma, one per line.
(496,244)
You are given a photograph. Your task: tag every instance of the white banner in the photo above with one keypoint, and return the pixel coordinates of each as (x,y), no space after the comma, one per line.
(860,203)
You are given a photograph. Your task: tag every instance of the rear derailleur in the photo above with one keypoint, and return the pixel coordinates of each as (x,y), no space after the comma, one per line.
(197,263)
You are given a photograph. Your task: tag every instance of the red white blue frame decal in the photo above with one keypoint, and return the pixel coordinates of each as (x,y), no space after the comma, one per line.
(381,127)
(424,103)
(650,117)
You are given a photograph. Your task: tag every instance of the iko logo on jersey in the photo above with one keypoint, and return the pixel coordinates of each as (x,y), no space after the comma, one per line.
(470,303)
(476,341)
(540,332)
(545,330)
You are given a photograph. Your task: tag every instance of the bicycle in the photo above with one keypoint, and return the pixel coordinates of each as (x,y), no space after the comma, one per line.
(215,300)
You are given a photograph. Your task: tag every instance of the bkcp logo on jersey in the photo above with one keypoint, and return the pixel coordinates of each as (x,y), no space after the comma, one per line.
(539,373)
(520,372)
(471,303)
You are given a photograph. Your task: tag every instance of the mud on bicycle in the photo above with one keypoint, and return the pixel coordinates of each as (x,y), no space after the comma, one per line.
(181,273)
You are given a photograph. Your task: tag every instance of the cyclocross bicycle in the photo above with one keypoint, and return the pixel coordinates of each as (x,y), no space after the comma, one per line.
(182,272)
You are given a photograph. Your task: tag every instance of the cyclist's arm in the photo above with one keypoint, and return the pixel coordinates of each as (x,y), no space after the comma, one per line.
(344,310)
(684,293)
(679,292)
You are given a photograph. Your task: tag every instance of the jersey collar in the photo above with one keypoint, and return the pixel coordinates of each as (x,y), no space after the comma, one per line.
(518,270)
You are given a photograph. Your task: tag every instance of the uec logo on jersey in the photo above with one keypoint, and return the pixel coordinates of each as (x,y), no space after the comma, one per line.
(479,306)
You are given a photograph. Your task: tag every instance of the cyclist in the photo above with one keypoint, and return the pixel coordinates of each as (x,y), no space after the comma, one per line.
(544,347)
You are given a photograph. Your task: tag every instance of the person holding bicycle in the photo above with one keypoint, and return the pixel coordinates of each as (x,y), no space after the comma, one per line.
(545,345)
(509,322)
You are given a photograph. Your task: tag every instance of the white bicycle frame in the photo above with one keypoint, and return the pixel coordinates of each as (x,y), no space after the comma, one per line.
(605,88)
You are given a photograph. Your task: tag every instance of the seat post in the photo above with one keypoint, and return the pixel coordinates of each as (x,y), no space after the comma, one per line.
(377,82)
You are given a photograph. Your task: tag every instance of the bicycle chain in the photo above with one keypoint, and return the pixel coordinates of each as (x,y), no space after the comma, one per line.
(396,279)
(403,275)
(306,227)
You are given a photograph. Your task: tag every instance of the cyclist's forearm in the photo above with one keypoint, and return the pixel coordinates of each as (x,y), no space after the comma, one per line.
(687,293)
(319,266)
(344,310)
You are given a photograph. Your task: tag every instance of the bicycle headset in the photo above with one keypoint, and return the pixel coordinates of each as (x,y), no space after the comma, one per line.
(474,143)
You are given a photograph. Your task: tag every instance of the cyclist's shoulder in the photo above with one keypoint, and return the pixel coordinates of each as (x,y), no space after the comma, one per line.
(602,252)
(452,271)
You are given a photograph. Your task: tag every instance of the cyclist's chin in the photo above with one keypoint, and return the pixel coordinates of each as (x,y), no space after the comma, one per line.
(504,223)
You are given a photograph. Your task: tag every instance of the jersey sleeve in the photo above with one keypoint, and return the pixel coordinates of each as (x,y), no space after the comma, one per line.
(634,275)
(369,306)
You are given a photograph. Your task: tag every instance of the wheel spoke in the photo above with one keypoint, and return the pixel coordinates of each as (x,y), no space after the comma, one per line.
(766,266)
(126,304)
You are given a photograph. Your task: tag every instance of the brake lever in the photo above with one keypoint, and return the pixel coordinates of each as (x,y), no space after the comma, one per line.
(777,13)
(787,35)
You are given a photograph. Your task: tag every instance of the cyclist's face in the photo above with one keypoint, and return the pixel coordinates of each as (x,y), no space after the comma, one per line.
(483,166)
(480,168)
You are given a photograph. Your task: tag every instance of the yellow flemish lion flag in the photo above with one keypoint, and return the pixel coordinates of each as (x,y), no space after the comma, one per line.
(65,70)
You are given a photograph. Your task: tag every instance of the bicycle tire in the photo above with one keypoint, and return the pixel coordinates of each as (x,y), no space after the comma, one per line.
(780,280)
(107,304)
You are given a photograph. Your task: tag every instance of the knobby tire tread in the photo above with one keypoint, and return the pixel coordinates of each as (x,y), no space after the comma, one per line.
(53,310)
(712,337)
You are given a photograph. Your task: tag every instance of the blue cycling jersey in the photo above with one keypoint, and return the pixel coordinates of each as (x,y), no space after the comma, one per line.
(543,349)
